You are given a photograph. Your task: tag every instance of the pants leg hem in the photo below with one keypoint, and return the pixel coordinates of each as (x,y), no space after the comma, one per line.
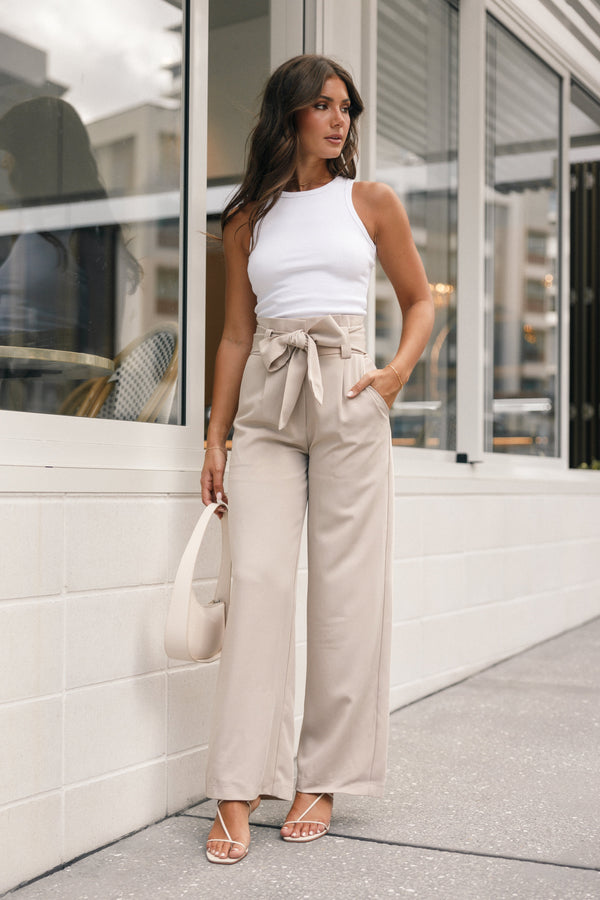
(360,789)
(227,792)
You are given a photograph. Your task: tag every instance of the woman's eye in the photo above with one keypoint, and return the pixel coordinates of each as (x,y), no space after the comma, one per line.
(345,110)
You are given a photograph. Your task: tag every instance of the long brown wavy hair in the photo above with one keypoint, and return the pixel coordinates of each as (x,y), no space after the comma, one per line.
(273,142)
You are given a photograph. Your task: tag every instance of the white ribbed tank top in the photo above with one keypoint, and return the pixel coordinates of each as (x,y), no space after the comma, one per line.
(312,255)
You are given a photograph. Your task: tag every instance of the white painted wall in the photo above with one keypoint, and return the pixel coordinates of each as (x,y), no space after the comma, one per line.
(102,736)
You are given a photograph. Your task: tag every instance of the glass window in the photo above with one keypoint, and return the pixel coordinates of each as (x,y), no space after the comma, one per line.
(417,126)
(238,66)
(522,248)
(90,163)
(584,125)
(584,356)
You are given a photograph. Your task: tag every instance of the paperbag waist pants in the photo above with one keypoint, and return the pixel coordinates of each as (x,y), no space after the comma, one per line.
(298,441)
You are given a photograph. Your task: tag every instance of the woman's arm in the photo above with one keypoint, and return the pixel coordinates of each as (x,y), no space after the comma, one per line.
(386,221)
(233,351)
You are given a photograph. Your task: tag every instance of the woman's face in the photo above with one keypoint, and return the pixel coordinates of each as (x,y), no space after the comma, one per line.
(323,126)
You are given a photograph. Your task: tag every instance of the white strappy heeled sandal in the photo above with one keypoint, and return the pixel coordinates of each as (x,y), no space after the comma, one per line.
(228,860)
(304,839)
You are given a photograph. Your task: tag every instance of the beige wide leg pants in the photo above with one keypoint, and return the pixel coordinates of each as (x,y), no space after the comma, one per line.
(298,439)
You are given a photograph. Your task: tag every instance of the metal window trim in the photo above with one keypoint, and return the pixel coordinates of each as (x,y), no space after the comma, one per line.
(519,26)
(470,326)
(57,454)
(514,17)
(472,170)
(63,443)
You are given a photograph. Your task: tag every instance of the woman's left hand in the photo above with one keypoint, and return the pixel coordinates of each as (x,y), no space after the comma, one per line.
(384,381)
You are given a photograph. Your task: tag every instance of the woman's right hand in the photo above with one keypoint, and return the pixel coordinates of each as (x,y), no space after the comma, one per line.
(232,355)
(211,479)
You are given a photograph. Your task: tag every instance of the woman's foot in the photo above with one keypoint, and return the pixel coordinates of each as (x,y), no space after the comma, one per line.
(229,837)
(309,817)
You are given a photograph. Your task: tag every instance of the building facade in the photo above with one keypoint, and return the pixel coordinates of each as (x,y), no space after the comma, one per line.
(484,116)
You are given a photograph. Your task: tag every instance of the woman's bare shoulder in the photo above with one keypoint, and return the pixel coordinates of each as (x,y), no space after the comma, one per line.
(238,218)
(236,232)
(376,195)
(379,207)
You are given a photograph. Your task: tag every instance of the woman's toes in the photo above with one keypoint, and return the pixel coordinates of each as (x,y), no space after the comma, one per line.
(215,847)
(322,810)
(223,849)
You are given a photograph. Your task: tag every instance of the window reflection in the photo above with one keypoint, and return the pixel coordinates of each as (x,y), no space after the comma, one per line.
(238,67)
(584,356)
(522,231)
(90,142)
(57,284)
(417,97)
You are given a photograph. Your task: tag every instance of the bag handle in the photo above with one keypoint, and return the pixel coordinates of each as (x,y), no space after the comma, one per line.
(177,627)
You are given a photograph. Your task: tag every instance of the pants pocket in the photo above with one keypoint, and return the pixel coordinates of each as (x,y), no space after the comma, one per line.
(379,401)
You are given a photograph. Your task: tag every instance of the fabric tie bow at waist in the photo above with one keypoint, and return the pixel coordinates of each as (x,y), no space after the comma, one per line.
(299,350)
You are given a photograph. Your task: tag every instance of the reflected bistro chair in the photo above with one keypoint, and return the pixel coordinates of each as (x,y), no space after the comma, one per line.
(142,386)
(78,396)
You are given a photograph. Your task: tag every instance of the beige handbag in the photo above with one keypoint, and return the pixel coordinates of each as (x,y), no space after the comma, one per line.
(193,631)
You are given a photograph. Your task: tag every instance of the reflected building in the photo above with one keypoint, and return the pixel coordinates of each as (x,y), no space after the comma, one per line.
(138,154)
(116,227)
(23,73)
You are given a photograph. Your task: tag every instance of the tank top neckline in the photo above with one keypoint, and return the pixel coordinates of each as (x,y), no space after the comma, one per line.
(312,191)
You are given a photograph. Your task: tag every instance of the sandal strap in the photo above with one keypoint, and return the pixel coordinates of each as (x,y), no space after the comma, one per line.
(223,825)
(229,839)
(308,808)
(305,822)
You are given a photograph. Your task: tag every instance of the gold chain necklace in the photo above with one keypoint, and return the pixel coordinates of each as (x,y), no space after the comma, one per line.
(309,185)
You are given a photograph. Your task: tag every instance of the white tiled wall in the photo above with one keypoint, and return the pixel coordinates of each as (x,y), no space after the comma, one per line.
(101,735)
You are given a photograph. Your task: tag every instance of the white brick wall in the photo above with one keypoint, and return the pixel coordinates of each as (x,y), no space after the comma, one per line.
(481,576)
(101,735)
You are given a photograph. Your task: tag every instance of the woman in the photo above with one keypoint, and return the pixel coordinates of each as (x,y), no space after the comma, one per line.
(58,289)
(312,427)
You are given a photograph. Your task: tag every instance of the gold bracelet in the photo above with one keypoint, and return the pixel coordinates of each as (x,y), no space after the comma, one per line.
(222,449)
(400,382)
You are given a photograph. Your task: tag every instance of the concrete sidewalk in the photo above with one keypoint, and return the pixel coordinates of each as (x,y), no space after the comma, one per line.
(493,793)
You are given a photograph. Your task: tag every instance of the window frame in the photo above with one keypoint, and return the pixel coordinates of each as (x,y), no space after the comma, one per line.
(57,444)
(567,63)
(52,453)
(517,25)
(471,346)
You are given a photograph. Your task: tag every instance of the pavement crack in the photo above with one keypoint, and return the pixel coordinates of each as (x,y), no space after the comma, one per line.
(430,847)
